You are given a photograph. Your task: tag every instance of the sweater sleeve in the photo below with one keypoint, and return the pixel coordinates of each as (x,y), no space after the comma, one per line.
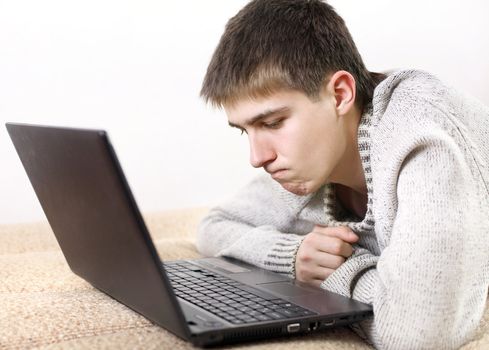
(429,286)
(255,227)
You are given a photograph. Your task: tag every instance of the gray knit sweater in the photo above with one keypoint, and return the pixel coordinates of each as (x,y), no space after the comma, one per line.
(422,260)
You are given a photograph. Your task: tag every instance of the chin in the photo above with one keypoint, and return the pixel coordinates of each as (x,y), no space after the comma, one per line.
(297,189)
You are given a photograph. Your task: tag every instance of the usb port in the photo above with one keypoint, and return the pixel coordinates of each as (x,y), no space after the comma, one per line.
(293,327)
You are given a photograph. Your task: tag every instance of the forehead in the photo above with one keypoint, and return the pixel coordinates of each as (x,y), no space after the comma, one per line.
(244,109)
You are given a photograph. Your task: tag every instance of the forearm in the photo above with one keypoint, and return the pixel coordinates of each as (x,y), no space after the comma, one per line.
(259,225)
(428,288)
(262,246)
(431,309)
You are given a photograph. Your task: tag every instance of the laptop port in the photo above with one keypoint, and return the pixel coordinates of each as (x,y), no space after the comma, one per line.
(293,327)
(329,323)
(313,326)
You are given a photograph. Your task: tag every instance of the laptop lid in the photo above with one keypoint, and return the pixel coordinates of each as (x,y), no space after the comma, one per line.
(87,201)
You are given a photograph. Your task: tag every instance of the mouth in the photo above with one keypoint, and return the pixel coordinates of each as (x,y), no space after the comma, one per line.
(278,174)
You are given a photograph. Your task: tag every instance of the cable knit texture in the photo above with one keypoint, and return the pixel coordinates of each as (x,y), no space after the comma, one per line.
(422,260)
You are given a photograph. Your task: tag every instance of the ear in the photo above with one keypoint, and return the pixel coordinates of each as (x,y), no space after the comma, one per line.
(342,86)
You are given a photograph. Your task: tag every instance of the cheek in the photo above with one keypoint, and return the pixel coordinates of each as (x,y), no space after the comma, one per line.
(298,140)
(314,143)
(319,151)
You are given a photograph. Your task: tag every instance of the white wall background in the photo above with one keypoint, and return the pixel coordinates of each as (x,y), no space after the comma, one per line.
(135,69)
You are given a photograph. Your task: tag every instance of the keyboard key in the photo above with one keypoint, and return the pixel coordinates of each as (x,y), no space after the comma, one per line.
(244,308)
(237,321)
(287,313)
(236,313)
(275,315)
(247,318)
(254,313)
(226,308)
(263,318)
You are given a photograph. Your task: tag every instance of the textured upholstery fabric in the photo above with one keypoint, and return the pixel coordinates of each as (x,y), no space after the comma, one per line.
(44,305)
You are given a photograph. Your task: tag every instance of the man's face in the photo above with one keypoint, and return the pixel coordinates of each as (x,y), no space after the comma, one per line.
(298,141)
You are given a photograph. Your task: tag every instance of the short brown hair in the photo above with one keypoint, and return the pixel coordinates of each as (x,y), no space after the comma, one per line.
(283,44)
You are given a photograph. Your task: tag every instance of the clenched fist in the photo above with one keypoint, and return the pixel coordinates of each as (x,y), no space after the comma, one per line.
(322,251)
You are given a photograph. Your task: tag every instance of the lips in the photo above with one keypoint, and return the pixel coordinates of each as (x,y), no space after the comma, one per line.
(276,175)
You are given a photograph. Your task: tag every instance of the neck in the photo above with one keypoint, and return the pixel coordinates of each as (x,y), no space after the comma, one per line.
(353,201)
(349,171)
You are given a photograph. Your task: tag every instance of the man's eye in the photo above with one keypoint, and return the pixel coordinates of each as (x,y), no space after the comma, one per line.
(274,124)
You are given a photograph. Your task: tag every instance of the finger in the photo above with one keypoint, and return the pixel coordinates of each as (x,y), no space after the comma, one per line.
(334,246)
(320,273)
(316,283)
(330,261)
(342,232)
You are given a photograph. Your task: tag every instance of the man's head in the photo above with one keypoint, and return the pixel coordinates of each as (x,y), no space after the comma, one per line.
(272,45)
(288,74)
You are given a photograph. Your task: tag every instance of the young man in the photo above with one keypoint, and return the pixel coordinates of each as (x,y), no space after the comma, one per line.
(377,185)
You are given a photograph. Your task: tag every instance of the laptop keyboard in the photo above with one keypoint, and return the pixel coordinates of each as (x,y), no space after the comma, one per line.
(227,298)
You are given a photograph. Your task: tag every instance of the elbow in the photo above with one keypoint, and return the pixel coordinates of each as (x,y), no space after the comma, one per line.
(210,233)
(217,232)
(439,335)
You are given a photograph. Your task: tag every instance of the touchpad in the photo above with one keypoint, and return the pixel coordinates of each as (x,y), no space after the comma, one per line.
(287,289)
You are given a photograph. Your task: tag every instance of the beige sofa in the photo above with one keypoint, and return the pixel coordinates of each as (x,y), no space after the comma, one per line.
(44,305)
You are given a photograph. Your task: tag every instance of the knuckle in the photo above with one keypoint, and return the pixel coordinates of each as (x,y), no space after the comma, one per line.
(303,257)
(335,247)
(306,258)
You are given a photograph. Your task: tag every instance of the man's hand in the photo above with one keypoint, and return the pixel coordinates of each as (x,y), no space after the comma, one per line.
(322,252)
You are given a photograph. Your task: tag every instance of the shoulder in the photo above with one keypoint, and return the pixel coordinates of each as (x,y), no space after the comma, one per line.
(412,97)
(414,110)
(405,107)
(409,83)
(414,103)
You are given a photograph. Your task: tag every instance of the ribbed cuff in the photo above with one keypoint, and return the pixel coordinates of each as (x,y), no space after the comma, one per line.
(364,288)
(281,257)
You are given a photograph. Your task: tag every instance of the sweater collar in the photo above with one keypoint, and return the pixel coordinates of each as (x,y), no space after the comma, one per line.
(336,215)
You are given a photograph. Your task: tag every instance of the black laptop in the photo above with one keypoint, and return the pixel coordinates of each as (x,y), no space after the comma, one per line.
(87,201)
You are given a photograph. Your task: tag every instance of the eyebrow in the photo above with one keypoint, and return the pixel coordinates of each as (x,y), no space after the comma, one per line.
(261,116)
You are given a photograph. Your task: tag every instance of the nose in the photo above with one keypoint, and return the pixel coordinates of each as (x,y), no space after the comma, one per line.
(261,152)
